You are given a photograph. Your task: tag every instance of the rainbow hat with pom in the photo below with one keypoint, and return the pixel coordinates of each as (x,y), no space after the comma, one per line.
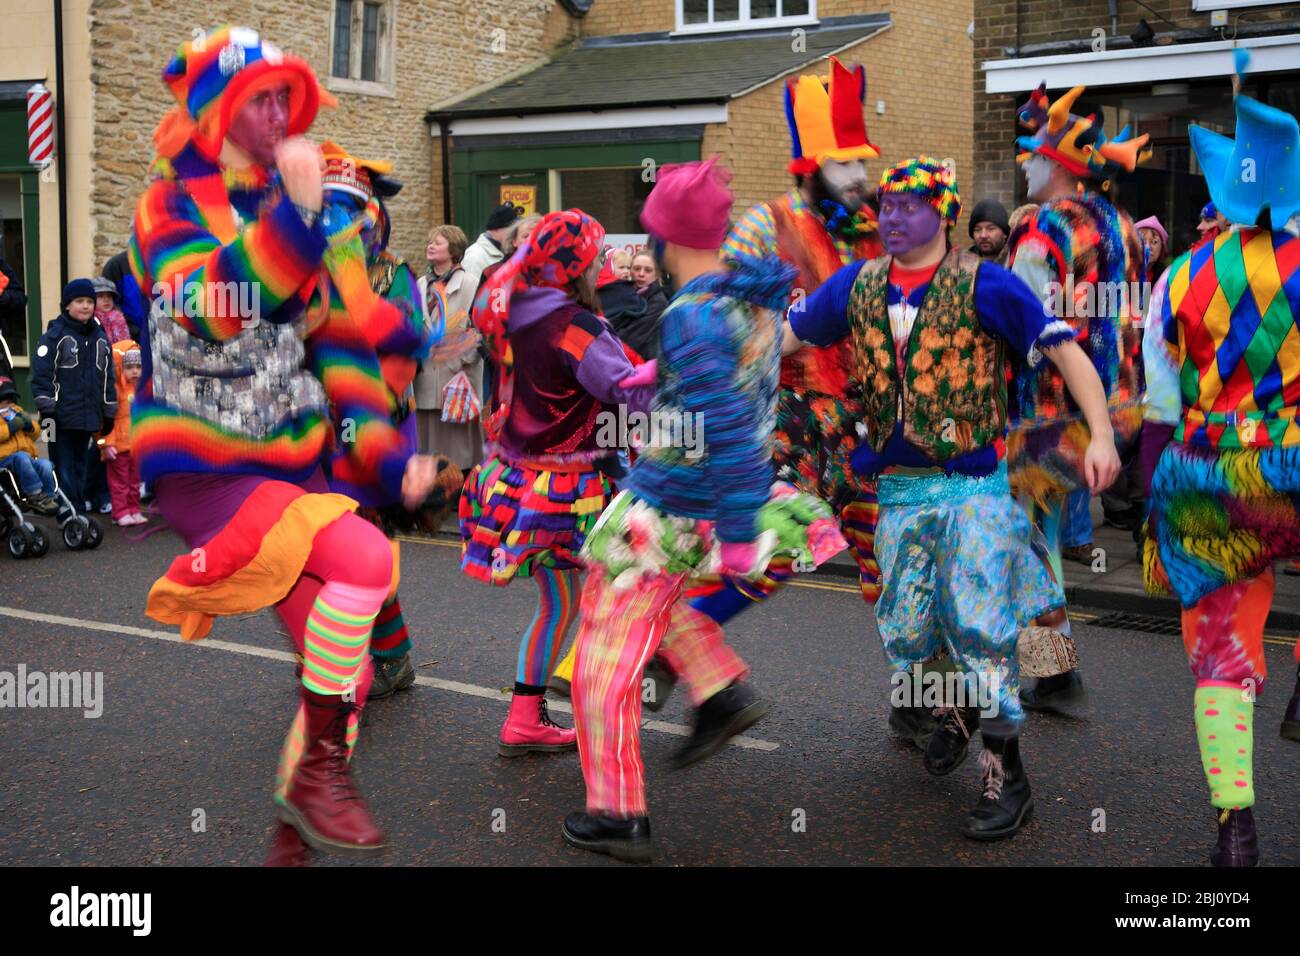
(213,75)
(1076,142)
(928,178)
(825,117)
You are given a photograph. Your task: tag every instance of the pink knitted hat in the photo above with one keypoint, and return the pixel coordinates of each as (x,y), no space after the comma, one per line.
(1151,222)
(690,204)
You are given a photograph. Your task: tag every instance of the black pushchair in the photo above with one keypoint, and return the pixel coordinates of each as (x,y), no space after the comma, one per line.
(27,539)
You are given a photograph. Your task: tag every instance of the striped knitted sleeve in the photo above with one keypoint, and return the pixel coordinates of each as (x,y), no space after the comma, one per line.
(268,272)
(753,236)
(372,450)
(740,470)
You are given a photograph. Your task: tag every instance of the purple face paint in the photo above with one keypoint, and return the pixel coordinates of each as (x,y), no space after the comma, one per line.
(261,124)
(906,222)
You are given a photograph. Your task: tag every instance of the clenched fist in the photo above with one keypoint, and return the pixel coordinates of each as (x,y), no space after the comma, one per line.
(301,167)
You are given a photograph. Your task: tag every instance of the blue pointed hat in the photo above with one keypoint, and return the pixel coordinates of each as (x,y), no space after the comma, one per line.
(1258,170)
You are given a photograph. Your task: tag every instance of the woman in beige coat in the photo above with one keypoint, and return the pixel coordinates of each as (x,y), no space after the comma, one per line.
(462,443)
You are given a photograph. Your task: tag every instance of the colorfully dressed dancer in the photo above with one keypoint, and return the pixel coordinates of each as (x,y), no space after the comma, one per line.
(528,507)
(1225,495)
(817,227)
(362,269)
(686,508)
(1085,261)
(245,359)
(931,327)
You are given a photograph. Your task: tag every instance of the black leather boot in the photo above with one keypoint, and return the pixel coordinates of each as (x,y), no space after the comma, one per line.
(662,679)
(1007,803)
(1048,693)
(623,839)
(913,724)
(1238,843)
(950,742)
(718,719)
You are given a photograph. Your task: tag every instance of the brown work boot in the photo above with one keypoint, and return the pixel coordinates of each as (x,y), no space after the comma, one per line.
(323,803)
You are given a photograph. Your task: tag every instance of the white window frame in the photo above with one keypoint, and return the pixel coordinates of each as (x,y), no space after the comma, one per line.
(743,21)
(1206,6)
(385,82)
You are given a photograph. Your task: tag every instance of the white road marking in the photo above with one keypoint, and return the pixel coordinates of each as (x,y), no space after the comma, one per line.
(455,686)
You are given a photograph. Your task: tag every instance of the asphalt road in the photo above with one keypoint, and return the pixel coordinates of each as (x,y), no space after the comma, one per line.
(198,728)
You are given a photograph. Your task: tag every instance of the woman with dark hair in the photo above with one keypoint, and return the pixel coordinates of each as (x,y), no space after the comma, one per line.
(527,509)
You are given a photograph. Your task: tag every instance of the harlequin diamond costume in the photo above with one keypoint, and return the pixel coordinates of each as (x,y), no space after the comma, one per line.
(931,333)
(1085,260)
(686,509)
(817,227)
(251,361)
(528,507)
(1225,495)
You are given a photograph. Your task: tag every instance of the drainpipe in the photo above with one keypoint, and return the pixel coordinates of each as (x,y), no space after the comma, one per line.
(61,143)
(444,125)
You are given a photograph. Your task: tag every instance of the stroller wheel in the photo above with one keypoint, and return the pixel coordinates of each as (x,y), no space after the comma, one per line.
(20,543)
(94,533)
(40,543)
(74,534)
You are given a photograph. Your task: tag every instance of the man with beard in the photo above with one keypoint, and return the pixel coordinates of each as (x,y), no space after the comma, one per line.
(818,227)
(988,228)
(1083,258)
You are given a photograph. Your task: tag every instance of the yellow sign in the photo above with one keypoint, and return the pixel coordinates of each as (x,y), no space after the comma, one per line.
(523,198)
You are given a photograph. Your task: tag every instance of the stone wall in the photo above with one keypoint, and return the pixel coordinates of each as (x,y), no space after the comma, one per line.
(443,47)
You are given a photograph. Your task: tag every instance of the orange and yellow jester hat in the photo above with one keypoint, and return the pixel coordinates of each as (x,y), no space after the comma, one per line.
(825,117)
(1076,142)
(213,75)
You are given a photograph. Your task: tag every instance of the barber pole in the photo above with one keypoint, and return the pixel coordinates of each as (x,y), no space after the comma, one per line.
(40,126)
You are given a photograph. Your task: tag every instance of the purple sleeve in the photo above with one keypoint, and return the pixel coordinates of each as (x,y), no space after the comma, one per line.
(597,358)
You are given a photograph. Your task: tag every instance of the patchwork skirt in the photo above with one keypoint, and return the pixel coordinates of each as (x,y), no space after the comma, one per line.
(513,517)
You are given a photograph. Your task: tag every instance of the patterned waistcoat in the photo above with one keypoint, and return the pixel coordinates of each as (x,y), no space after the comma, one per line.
(953,396)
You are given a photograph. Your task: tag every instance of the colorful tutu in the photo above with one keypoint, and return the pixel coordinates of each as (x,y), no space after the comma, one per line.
(1220,517)
(1046,461)
(512,516)
(633,540)
(251,563)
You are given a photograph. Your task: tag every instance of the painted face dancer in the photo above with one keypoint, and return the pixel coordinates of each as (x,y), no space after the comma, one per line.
(1225,495)
(245,359)
(528,507)
(931,327)
(685,509)
(1085,261)
(817,227)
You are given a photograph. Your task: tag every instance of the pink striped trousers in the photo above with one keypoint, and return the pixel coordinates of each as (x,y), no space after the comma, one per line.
(620,632)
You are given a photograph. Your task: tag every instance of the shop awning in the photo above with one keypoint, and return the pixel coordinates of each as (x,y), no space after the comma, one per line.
(652,71)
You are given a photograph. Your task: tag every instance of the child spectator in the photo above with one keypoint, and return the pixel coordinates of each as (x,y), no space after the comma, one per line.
(115,447)
(620,263)
(73,385)
(18,432)
(107,314)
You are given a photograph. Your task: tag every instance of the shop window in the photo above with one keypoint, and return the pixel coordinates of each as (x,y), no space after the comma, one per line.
(718,15)
(613,196)
(364,46)
(13,321)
